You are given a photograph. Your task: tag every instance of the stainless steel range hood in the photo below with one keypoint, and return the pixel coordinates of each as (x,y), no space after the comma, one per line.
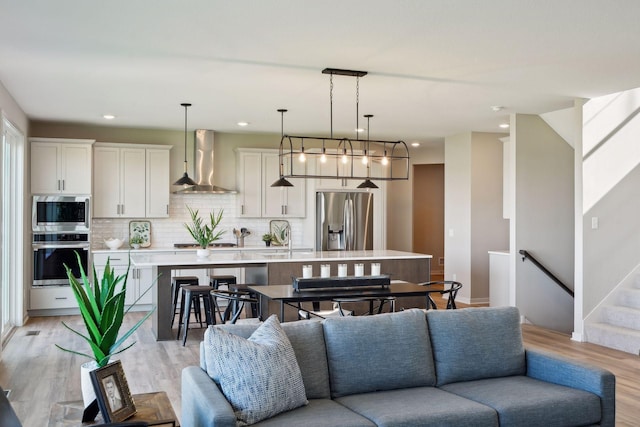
(204,155)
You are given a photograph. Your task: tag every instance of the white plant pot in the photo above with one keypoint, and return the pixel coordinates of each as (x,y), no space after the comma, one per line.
(88,393)
(202,253)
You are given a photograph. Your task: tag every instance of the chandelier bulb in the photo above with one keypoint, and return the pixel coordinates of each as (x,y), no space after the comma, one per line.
(323,158)
(365,160)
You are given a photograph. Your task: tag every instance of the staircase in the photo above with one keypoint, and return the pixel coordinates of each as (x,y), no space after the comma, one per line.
(619,326)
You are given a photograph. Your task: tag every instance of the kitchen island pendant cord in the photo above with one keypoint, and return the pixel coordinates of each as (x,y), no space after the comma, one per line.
(185,181)
(282,181)
(367,183)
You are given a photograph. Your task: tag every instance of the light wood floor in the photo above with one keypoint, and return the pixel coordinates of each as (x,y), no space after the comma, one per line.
(38,374)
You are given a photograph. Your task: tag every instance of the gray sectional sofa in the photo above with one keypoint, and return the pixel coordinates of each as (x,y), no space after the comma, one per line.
(463,367)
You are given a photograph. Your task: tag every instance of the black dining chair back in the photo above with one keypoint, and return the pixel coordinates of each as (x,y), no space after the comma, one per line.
(236,300)
(449,288)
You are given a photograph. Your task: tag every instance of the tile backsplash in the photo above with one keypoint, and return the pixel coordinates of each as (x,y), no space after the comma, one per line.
(167,231)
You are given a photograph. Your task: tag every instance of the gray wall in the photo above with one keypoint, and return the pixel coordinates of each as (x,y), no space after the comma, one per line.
(544,224)
(400,203)
(473,210)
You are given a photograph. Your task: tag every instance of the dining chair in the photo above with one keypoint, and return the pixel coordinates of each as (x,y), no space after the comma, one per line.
(370,300)
(236,300)
(449,288)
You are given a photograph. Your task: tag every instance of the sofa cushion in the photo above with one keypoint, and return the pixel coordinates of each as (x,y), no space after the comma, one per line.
(381,352)
(420,406)
(259,376)
(318,413)
(307,340)
(475,343)
(522,401)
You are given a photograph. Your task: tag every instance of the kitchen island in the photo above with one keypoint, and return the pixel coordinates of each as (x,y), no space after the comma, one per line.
(271,268)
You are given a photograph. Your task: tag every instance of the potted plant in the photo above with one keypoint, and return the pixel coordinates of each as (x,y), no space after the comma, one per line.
(204,234)
(267,238)
(102,309)
(135,241)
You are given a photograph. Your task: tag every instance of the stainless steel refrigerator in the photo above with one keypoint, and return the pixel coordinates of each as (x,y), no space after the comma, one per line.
(344,221)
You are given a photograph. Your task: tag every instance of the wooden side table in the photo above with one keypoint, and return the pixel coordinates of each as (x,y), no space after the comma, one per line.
(153,408)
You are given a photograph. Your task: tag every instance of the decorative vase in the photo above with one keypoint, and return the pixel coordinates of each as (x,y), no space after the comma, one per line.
(88,393)
(202,253)
(268,243)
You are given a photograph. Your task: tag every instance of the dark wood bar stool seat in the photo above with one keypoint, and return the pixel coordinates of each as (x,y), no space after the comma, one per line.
(191,296)
(176,283)
(221,280)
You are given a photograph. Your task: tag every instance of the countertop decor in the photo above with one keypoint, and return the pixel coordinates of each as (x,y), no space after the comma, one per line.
(142,229)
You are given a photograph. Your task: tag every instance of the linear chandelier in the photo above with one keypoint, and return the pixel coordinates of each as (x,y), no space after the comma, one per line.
(336,158)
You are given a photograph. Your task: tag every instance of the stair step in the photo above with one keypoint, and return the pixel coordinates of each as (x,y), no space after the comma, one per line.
(629,297)
(625,317)
(624,339)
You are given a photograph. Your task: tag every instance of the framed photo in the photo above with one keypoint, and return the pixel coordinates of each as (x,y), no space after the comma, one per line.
(112,393)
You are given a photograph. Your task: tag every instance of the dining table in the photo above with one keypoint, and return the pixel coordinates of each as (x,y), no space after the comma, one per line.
(287,295)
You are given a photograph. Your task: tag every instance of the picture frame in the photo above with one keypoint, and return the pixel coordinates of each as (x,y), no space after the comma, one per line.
(141,229)
(112,393)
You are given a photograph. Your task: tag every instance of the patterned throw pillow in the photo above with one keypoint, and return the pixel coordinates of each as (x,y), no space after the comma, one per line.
(259,376)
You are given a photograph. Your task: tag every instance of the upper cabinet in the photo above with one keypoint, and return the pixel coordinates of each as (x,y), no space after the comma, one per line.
(60,166)
(256,171)
(131,181)
(249,181)
(289,202)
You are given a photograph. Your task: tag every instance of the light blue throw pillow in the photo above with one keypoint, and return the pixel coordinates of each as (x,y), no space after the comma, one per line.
(259,376)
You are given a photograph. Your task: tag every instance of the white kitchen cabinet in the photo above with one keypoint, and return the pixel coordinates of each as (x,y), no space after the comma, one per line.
(130,181)
(158,183)
(51,297)
(287,202)
(140,278)
(249,181)
(60,166)
(256,171)
(333,166)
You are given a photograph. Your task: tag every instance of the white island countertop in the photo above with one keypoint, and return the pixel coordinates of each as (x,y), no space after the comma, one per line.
(140,259)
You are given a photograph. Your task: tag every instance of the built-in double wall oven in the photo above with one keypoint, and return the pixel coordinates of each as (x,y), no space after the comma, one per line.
(61,226)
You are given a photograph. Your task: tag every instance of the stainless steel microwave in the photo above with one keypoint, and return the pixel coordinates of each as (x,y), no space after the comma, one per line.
(60,213)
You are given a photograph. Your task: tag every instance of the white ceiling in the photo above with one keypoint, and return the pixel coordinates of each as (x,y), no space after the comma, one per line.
(435,67)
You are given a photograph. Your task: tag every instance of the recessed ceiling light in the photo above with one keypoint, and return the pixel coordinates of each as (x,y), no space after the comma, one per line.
(243,124)
(108,116)
(415,144)
(504,125)
(497,108)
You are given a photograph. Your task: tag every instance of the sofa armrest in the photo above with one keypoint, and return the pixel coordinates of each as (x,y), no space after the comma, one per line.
(203,404)
(558,370)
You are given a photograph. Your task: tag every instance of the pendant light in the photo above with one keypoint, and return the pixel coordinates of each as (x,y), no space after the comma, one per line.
(282,182)
(185,181)
(367,183)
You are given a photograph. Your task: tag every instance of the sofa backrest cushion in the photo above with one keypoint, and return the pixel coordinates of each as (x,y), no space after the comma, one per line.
(381,352)
(476,343)
(307,340)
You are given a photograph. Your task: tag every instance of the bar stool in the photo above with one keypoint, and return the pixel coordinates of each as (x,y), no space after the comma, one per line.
(176,283)
(215,281)
(191,294)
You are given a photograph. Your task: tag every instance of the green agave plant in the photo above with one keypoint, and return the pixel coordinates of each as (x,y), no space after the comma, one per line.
(102,309)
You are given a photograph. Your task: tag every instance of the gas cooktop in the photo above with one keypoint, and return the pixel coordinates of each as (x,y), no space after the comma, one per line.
(211,245)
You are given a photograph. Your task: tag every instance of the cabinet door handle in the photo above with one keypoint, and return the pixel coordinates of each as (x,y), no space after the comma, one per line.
(122,210)
(242,209)
(61,297)
(58,185)
(63,185)
(167,209)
